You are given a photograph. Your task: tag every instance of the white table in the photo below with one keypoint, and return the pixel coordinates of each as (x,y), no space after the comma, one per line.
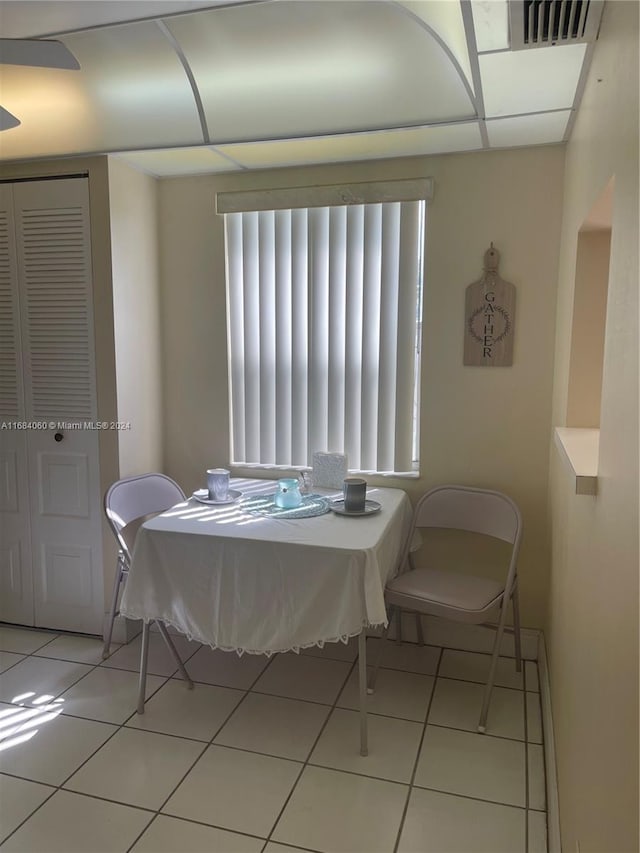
(240,582)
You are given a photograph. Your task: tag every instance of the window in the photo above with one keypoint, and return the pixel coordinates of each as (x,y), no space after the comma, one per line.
(324,318)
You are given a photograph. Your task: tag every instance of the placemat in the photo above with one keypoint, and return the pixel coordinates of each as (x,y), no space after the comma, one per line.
(264,505)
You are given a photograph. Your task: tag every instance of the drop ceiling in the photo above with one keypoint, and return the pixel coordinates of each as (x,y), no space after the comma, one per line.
(188,87)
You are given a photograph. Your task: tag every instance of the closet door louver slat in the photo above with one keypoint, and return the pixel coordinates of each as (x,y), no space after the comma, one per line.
(11,403)
(53,242)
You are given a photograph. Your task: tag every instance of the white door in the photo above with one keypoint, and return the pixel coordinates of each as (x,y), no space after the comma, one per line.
(51,221)
(16,585)
(66,534)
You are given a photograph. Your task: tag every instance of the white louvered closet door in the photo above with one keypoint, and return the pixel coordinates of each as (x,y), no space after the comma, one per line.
(53,254)
(16,579)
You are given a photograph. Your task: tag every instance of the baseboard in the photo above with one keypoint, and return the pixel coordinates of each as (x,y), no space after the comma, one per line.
(468,638)
(553,806)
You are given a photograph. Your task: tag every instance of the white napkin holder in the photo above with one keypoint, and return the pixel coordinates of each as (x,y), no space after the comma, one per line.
(329,470)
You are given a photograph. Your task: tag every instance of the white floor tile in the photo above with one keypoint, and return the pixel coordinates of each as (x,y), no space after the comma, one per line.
(109,695)
(71,823)
(170,834)
(470,666)
(473,765)
(34,678)
(534,718)
(238,788)
(197,713)
(442,823)
(226,669)
(397,694)
(137,768)
(393,746)
(235,790)
(335,651)
(18,798)
(531,673)
(160,660)
(80,649)
(457,704)
(22,640)
(304,677)
(537,786)
(8,659)
(43,745)
(285,728)
(537,831)
(406,656)
(341,813)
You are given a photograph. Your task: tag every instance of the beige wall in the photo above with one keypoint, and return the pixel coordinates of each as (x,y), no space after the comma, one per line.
(592,629)
(479,425)
(136,317)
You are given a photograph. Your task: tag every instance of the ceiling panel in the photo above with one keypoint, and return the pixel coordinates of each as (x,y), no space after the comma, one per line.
(528,81)
(361,146)
(131,92)
(491,24)
(278,70)
(445,19)
(537,129)
(56,113)
(43,17)
(178,161)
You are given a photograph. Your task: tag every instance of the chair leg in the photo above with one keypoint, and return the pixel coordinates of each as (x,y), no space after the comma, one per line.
(170,645)
(482,725)
(419,632)
(144,655)
(398,625)
(371,686)
(362,688)
(114,607)
(515,603)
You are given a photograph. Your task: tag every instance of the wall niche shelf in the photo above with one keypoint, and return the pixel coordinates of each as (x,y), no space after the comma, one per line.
(579,449)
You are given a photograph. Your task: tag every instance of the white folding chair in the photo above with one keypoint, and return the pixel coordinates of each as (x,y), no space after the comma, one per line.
(455,595)
(127,504)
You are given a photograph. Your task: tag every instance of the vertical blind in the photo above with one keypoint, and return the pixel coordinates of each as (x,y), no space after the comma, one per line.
(323,323)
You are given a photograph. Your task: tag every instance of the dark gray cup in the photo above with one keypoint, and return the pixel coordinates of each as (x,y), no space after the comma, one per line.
(355,494)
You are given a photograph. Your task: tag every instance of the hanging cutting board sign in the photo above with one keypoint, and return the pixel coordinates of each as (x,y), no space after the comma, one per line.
(489,316)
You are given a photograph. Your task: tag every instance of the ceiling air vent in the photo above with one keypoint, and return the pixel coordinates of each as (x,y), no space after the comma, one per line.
(542,23)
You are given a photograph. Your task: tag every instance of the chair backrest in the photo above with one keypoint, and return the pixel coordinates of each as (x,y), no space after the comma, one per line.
(471,509)
(476,511)
(134,497)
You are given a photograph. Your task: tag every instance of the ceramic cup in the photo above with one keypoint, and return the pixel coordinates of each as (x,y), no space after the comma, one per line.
(218,484)
(355,494)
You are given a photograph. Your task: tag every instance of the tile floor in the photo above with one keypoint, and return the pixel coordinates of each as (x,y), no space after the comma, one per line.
(263,754)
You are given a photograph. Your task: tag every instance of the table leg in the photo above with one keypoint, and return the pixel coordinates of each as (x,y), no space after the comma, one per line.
(167,638)
(362,683)
(144,654)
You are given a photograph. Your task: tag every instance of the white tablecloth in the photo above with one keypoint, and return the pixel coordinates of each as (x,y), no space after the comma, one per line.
(253,584)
